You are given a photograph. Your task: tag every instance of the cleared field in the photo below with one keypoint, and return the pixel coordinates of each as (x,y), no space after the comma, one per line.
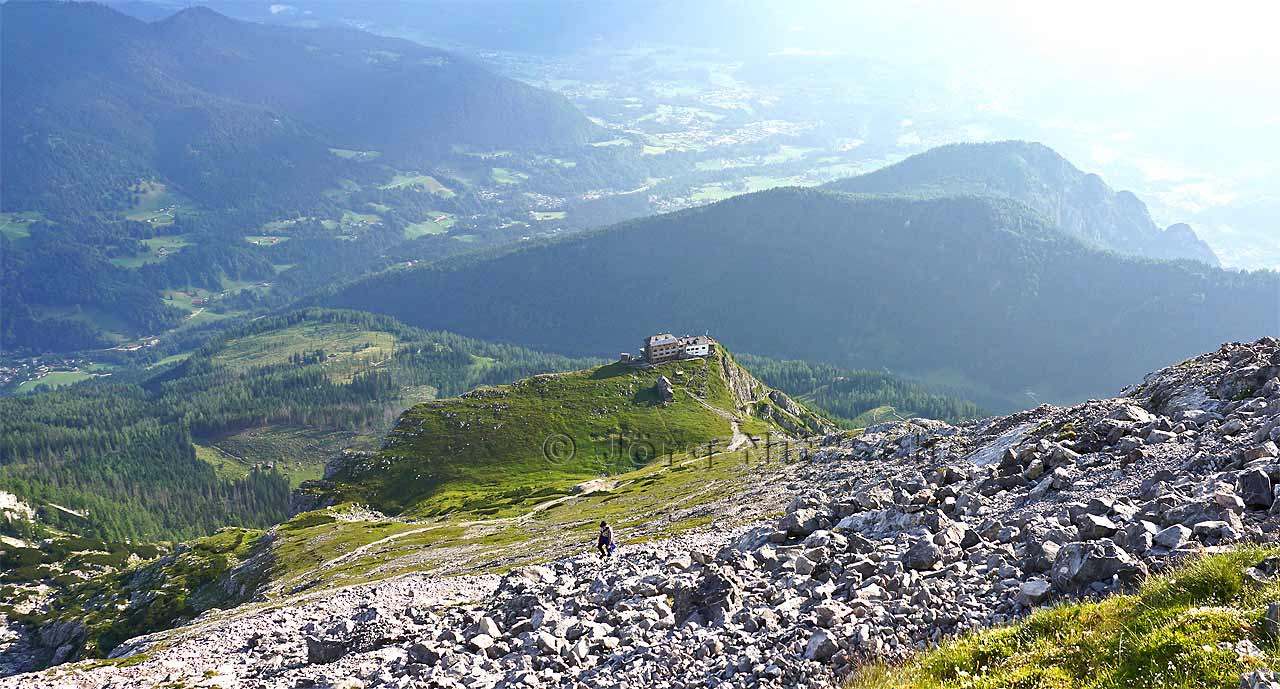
(354,220)
(203,316)
(172,359)
(548,215)
(158,249)
(227,467)
(419,182)
(502,175)
(295,451)
(719,191)
(55,379)
(155,204)
(190,299)
(344,189)
(341,342)
(232,286)
(358,156)
(276,226)
(17,225)
(265,239)
(435,223)
(786,154)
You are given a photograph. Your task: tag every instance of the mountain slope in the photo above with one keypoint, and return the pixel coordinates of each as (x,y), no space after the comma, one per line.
(1020,544)
(495,448)
(1081,204)
(859,398)
(217,439)
(981,292)
(471,477)
(96,101)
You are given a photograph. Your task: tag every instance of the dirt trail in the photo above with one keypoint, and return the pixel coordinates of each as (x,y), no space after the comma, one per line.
(737,442)
(497,521)
(739,438)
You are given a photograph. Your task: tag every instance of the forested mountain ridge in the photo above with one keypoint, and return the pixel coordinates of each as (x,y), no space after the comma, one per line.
(149,169)
(981,291)
(859,398)
(96,101)
(1081,204)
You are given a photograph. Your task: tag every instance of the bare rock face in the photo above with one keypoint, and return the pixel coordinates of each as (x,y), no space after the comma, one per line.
(889,541)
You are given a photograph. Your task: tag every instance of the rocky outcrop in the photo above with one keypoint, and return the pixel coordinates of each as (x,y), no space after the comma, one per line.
(666,392)
(744,387)
(891,541)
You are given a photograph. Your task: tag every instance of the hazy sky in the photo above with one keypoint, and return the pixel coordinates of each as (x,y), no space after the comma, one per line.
(1183,97)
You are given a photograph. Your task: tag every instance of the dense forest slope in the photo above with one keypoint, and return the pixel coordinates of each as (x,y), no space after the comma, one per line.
(978,291)
(142,165)
(95,101)
(857,398)
(1079,203)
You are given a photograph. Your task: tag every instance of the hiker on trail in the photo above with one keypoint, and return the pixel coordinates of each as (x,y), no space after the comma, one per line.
(604,544)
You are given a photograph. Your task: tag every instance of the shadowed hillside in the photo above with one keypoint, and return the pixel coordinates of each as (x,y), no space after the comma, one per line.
(977,292)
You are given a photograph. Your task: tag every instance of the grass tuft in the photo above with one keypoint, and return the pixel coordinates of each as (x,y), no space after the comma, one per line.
(1183,629)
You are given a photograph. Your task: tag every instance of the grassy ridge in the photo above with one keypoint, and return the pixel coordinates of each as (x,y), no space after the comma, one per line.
(543,432)
(1184,629)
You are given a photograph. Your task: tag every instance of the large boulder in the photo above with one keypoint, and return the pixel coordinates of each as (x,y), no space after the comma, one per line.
(666,392)
(324,651)
(1081,565)
(1131,413)
(803,522)
(1254,488)
(1033,591)
(1093,526)
(821,646)
(922,555)
(1172,537)
(712,597)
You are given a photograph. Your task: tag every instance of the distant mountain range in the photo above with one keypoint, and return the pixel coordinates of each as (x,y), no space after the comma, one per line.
(1081,204)
(96,100)
(975,289)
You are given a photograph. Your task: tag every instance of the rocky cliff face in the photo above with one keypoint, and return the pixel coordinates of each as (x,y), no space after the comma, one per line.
(754,397)
(887,542)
